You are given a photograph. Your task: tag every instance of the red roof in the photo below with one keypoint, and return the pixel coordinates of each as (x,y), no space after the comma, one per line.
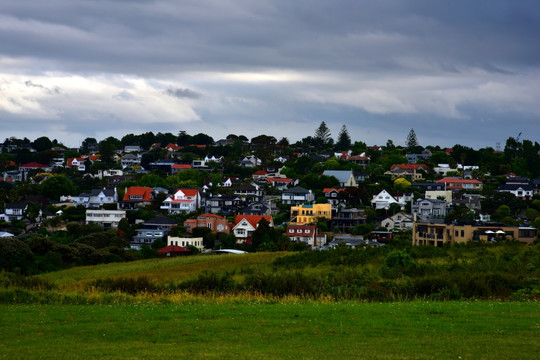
(181,166)
(172,249)
(327,190)
(172,146)
(260,172)
(252,219)
(458,181)
(34,165)
(189,192)
(143,191)
(70,160)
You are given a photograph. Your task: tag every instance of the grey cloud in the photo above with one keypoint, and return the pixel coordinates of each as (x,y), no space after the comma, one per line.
(183,93)
(55,90)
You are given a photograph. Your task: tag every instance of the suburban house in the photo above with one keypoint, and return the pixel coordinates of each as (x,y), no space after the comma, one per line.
(245,225)
(332,194)
(410,172)
(185,242)
(34,166)
(309,214)
(519,190)
(250,161)
(183,201)
(297,195)
(223,204)
(106,218)
(305,233)
(429,210)
(413,158)
(452,183)
(162,165)
(13,212)
(383,200)
(211,221)
(346,178)
(130,160)
(256,208)
(401,221)
(95,199)
(248,192)
(346,219)
(76,163)
(156,228)
(137,196)
(440,234)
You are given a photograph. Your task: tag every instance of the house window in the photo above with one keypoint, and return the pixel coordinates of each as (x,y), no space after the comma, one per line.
(462,233)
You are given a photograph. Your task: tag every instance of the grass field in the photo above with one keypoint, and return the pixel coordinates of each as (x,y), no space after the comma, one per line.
(308,330)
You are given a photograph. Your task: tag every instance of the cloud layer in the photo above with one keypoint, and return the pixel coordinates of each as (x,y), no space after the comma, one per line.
(456,72)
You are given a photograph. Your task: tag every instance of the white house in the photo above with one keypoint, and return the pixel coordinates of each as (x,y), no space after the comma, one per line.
(383,200)
(184,200)
(13,212)
(106,218)
(185,242)
(245,225)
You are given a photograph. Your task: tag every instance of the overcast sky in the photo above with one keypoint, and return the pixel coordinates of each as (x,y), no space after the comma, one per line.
(457,72)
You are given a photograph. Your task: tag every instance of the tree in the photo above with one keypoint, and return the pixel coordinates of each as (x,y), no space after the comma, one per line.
(402,184)
(42,143)
(322,135)
(344,140)
(56,186)
(411,141)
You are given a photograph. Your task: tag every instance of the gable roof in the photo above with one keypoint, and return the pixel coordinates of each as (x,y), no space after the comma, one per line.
(343,176)
(409,167)
(143,191)
(253,220)
(297,190)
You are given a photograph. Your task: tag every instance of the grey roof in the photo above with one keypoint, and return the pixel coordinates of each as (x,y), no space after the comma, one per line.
(342,175)
(161,220)
(15,206)
(512,187)
(106,192)
(297,190)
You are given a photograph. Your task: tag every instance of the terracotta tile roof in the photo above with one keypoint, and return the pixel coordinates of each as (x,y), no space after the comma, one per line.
(181,166)
(34,165)
(143,191)
(327,190)
(252,219)
(172,248)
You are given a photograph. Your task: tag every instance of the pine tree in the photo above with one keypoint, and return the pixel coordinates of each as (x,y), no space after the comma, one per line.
(344,140)
(411,140)
(322,135)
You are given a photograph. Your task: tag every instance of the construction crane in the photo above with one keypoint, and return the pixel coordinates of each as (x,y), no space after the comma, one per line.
(518,137)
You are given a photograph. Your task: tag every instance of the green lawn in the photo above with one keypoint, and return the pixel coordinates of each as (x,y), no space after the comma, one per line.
(309,330)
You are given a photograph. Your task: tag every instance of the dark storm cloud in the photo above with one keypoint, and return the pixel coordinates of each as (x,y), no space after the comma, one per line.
(401,64)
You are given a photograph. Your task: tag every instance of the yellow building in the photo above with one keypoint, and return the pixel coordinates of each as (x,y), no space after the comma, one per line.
(308,214)
(439,234)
